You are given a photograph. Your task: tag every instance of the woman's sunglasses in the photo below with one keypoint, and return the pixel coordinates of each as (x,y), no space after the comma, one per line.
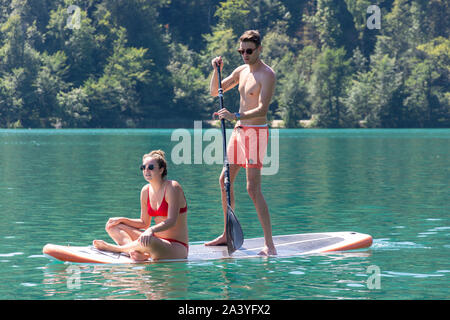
(247,51)
(149,167)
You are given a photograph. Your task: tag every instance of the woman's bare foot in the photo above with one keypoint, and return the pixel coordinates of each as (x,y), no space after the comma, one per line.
(268,251)
(102,245)
(134,254)
(139,256)
(219,241)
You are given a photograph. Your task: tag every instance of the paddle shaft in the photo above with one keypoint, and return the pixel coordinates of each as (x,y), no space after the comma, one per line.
(235,236)
(226,163)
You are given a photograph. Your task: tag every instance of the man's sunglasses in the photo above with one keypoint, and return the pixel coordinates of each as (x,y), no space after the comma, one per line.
(247,51)
(149,167)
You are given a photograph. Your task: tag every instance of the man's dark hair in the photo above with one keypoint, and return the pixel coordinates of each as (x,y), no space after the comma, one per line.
(251,36)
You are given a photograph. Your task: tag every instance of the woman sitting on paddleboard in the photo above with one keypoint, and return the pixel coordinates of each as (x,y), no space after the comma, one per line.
(165,201)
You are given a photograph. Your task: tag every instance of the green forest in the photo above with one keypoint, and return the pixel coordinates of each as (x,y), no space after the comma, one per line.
(147,63)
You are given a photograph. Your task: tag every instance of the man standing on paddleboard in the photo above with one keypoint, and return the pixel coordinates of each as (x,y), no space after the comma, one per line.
(248,142)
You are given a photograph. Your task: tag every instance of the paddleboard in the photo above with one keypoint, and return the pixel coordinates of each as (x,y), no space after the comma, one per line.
(286,245)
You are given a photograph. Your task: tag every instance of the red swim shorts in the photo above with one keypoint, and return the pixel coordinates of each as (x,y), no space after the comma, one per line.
(248,145)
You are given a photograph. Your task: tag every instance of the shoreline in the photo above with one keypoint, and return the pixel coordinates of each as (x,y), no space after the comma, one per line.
(189,124)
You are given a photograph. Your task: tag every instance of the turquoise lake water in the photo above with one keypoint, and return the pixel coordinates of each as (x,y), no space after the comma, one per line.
(61,186)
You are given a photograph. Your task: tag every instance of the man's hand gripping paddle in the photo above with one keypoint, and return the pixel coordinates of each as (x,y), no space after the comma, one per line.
(235,236)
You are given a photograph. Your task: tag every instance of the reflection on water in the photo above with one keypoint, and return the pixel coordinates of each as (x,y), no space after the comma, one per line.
(153,282)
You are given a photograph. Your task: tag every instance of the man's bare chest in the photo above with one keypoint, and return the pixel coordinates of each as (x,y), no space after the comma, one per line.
(249,87)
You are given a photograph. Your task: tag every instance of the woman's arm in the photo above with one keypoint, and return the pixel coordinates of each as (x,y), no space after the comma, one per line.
(144,221)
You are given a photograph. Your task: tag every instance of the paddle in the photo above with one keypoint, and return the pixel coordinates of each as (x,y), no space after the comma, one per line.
(235,236)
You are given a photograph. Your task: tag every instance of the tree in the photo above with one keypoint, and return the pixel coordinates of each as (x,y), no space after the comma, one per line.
(293,76)
(188,20)
(293,101)
(386,101)
(334,25)
(13,50)
(328,86)
(79,44)
(241,15)
(113,98)
(11,104)
(20,63)
(427,87)
(359,101)
(74,108)
(359,96)
(366,36)
(190,86)
(48,83)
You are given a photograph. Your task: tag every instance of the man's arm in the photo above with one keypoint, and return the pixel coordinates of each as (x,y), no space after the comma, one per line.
(228,83)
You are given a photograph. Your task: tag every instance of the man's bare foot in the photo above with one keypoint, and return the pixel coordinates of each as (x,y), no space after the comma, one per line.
(102,245)
(268,251)
(219,241)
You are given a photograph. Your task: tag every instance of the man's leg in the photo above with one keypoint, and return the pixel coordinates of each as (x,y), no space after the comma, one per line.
(234,170)
(254,191)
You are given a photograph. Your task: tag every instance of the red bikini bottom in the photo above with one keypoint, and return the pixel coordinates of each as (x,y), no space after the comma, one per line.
(174,240)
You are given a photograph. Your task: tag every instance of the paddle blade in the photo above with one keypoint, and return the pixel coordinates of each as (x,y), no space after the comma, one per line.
(235,236)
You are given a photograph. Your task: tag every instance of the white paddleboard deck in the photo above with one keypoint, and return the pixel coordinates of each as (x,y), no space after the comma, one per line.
(286,245)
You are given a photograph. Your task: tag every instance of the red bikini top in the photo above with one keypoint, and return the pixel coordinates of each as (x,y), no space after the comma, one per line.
(163,209)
